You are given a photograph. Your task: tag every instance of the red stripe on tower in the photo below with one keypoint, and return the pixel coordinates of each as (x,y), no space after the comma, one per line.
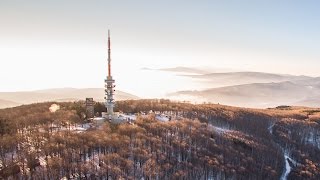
(109,54)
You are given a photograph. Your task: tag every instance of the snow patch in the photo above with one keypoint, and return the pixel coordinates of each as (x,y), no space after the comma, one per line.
(127,117)
(79,128)
(288,167)
(270,128)
(162,118)
(313,139)
(219,130)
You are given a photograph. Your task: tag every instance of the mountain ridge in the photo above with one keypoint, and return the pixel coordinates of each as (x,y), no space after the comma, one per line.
(58,94)
(261,95)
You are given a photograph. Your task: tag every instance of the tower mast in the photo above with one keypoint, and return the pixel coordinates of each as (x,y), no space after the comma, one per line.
(109,84)
(109,54)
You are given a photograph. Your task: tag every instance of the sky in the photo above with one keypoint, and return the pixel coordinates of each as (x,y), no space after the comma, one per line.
(52,44)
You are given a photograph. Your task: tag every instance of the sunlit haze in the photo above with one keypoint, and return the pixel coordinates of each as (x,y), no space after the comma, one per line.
(55,44)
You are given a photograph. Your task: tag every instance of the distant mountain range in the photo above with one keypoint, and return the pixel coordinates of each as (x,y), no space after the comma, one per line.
(260,95)
(254,89)
(245,89)
(6,103)
(186,70)
(190,70)
(10,99)
(239,78)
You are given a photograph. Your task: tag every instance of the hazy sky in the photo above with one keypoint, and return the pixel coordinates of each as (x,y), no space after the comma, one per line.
(62,43)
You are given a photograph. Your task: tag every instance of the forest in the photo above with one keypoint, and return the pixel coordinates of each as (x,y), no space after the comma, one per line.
(202,141)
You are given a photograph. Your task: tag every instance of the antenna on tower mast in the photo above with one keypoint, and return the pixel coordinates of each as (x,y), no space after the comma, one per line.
(109,54)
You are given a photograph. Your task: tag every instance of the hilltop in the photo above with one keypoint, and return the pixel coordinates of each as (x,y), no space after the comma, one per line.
(6,103)
(200,142)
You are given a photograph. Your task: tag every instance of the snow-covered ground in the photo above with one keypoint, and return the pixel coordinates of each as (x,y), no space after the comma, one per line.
(287,158)
(132,117)
(127,117)
(77,128)
(270,128)
(313,139)
(98,119)
(219,130)
(122,117)
(162,117)
(288,167)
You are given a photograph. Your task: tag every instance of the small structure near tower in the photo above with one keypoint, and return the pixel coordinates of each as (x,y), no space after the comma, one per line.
(89,107)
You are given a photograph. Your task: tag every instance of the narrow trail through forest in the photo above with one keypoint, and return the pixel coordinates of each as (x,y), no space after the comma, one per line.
(287,168)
